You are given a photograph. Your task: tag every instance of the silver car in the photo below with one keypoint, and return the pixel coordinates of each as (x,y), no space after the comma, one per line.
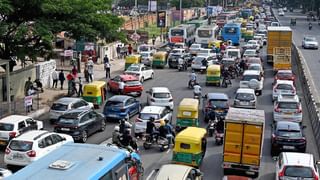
(245,98)
(310,42)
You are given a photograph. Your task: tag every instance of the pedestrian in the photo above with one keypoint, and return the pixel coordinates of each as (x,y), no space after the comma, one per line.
(90,69)
(153,39)
(54,78)
(27,86)
(130,49)
(74,72)
(61,79)
(80,92)
(118,49)
(86,74)
(107,69)
(105,59)
(31,92)
(121,87)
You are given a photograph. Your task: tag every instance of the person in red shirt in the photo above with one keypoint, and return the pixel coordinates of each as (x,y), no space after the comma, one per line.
(130,49)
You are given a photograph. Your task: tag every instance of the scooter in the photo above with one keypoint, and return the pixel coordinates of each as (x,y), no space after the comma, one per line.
(150,140)
(211,127)
(162,142)
(181,67)
(197,96)
(219,137)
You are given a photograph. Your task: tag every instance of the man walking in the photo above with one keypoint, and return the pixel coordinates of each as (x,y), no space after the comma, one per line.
(105,59)
(90,69)
(55,79)
(61,79)
(107,69)
(27,86)
(80,92)
(118,49)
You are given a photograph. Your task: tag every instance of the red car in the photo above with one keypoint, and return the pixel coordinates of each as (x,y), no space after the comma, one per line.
(131,85)
(284,75)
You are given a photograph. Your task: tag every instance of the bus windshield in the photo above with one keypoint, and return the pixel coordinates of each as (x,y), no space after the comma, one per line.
(204,33)
(230,30)
(176,32)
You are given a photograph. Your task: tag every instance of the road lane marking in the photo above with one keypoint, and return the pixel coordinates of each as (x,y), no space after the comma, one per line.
(150,175)
(168,150)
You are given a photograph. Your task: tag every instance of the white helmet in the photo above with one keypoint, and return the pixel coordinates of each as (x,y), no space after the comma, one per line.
(117,128)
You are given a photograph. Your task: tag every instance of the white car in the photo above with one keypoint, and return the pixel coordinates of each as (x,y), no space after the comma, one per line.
(33,145)
(207,52)
(160,96)
(259,39)
(146,57)
(177,51)
(252,79)
(14,125)
(233,52)
(194,49)
(197,62)
(284,87)
(310,42)
(293,165)
(287,108)
(257,67)
(264,36)
(250,53)
(65,104)
(275,24)
(281,13)
(146,48)
(157,112)
(252,44)
(178,172)
(141,71)
(245,98)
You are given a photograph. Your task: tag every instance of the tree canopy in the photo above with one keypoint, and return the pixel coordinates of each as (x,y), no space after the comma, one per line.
(28,27)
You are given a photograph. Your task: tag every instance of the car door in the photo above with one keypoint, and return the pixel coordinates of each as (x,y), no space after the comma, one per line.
(96,121)
(130,104)
(22,127)
(143,72)
(58,140)
(31,124)
(87,124)
(114,83)
(49,145)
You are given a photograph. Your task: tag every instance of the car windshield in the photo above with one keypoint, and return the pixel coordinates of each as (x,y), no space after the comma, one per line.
(289,133)
(310,39)
(245,96)
(199,59)
(148,116)
(59,107)
(161,95)
(114,103)
(203,51)
(298,171)
(285,87)
(288,105)
(23,146)
(63,120)
(250,52)
(6,127)
(254,67)
(144,48)
(233,53)
(220,103)
(133,68)
(195,46)
(249,77)
(144,54)
(204,33)
(252,42)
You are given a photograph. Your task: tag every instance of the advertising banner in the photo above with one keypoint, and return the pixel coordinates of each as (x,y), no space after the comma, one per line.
(161,19)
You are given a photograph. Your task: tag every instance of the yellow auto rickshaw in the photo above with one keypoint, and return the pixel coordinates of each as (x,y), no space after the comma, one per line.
(95,92)
(188,112)
(213,75)
(190,146)
(216,43)
(132,59)
(159,59)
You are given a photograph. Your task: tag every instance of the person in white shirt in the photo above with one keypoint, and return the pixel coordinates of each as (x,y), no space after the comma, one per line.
(182,63)
(121,87)
(197,90)
(55,78)
(90,69)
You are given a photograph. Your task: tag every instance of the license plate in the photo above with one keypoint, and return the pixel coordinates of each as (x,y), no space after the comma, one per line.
(288,113)
(288,147)
(17,156)
(65,129)
(112,115)
(244,103)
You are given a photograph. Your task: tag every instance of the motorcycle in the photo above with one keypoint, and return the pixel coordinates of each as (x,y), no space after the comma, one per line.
(197,96)
(163,144)
(226,82)
(181,67)
(191,83)
(155,139)
(219,137)
(211,127)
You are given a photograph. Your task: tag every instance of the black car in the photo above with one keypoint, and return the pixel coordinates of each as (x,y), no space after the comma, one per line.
(173,59)
(80,124)
(287,136)
(216,104)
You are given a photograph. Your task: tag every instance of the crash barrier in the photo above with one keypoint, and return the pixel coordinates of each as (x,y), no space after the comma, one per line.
(308,91)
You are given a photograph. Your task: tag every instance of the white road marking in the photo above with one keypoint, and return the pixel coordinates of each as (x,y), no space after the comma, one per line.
(150,175)
(168,150)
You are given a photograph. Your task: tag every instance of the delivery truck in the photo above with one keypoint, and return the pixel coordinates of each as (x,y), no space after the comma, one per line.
(279,47)
(243,143)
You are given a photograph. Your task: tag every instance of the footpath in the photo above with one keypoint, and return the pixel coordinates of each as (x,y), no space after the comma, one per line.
(52,94)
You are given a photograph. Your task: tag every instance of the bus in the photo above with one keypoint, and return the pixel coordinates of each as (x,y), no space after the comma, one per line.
(226,17)
(198,22)
(246,13)
(83,161)
(232,31)
(183,33)
(206,34)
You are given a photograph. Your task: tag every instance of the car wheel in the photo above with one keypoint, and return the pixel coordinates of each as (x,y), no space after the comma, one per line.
(142,79)
(84,136)
(127,118)
(103,125)
(152,76)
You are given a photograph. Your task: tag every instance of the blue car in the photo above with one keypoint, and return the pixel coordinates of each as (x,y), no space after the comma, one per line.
(217,103)
(121,107)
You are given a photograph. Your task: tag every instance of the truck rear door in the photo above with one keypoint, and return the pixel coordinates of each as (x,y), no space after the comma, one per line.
(251,148)
(233,142)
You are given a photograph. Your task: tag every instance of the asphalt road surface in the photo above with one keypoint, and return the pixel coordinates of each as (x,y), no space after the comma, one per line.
(211,166)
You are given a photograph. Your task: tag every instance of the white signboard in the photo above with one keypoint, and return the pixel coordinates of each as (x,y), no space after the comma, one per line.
(68,53)
(152,6)
(28,101)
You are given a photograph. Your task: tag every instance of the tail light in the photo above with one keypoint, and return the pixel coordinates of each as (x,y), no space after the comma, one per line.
(7,151)
(302,140)
(138,120)
(12,134)
(277,109)
(315,176)
(152,100)
(122,110)
(32,153)
(281,174)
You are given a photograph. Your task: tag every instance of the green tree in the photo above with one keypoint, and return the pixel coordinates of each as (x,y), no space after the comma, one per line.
(188,3)
(28,27)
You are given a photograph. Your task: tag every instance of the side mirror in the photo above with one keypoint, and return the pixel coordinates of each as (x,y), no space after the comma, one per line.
(304,127)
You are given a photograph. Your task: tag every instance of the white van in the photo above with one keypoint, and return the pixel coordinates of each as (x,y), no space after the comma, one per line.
(233,52)
(252,79)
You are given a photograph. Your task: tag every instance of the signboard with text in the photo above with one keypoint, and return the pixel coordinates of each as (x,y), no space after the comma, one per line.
(161,19)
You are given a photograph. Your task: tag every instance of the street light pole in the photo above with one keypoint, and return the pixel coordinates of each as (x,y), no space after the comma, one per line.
(181,11)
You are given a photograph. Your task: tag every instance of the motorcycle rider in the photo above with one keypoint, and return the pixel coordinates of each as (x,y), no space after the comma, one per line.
(242,65)
(127,141)
(150,127)
(310,25)
(116,136)
(123,126)
(171,132)
(193,77)
(220,126)
(226,75)
(197,90)
(182,63)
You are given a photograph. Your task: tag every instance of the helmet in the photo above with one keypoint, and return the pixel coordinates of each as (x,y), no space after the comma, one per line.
(162,122)
(122,121)
(117,128)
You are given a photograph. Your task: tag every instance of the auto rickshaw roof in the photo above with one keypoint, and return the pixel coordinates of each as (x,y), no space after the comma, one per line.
(189,104)
(213,67)
(191,135)
(96,83)
(160,53)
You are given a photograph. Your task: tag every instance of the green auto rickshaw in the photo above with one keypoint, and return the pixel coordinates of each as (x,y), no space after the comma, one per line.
(213,75)
(159,59)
